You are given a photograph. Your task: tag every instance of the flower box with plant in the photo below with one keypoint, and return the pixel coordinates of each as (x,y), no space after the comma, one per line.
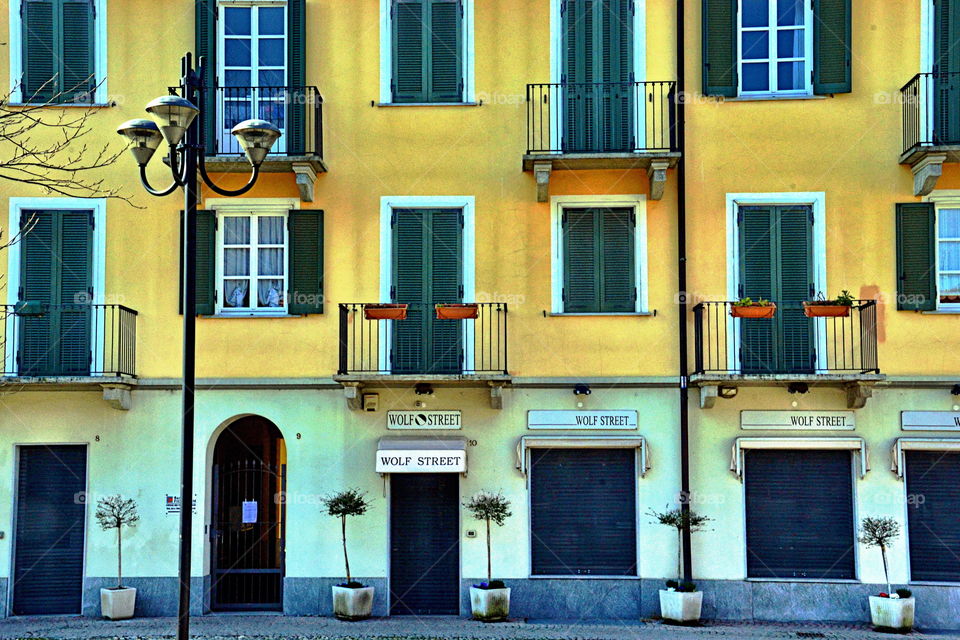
(749,308)
(385,311)
(889,610)
(680,602)
(351,600)
(117,512)
(490,600)
(839,307)
(457,311)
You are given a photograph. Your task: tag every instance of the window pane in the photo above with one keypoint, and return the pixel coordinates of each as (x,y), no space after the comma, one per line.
(270,293)
(271,21)
(236,230)
(756,77)
(789,12)
(271,78)
(237,52)
(238,21)
(271,262)
(950,288)
(756,13)
(236,293)
(949,223)
(271,52)
(790,76)
(272,112)
(235,112)
(237,79)
(790,43)
(270,229)
(236,262)
(950,256)
(756,45)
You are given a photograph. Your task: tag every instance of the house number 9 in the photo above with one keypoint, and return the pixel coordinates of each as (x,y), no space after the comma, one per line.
(299,436)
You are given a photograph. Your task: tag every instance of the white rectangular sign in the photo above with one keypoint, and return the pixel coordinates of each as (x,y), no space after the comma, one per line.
(581,419)
(249,514)
(930,420)
(799,420)
(421,461)
(423,420)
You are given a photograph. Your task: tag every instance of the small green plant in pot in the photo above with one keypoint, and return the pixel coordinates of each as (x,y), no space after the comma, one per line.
(490,600)
(889,610)
(117,512)
(680,602)
(351,600)
(748,308)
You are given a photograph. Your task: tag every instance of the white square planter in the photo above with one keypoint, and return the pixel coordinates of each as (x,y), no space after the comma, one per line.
(892,614)
(490,605)
(118,604)
(680,606)
(352,604)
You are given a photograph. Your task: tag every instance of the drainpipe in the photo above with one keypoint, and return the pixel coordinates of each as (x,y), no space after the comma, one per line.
(682,299)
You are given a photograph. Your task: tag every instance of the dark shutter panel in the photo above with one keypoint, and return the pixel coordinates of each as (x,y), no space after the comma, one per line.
(581,261)
(206,263)
(206,46)
(446,51)
(305,293)
(37,284)
(946,63)
(578,72)
(719,26)
(832,27)
(916,256)
(409,49)
(446,285)
(799,511)
(40,44)
(77,70)
(76,268)
(617,264)
(616,68)
(583,512)
(295,133)
(757,281)
(795,230)
(48,545)
(933,523)
(410,260)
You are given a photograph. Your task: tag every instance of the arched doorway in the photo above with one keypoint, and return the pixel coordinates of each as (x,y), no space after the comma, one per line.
(249,477)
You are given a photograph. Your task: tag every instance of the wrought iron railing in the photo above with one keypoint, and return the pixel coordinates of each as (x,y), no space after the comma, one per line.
(44,340)
(931,110)
(601,117)
(422,344)
(788,343)
(297,111)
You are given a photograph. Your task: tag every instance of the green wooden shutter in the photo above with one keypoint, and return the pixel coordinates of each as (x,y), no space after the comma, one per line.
(446,51)
(77,59)
(409,264)
(76,293)
(615,113)
(206,263)
(305,256)
(916,256)
(795,284)
(758,262)
(579,130)
(37,282)
(617,261)
(719,38)
(409,81)
(295,133)
(445,283)
(581,261)
(206,47)
(427,50)
(832,27)
(946,85)
(40,50)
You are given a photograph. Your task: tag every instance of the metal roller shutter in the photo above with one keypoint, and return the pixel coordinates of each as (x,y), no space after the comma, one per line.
(933,515)
(799,511)
(584,511)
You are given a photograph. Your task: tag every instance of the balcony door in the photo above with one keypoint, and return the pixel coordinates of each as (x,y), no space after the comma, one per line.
(427,269)
(599,95)
(946,72)
(56,275)
(776,263)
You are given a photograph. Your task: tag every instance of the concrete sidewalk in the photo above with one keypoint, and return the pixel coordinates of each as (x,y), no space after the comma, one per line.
(402,628)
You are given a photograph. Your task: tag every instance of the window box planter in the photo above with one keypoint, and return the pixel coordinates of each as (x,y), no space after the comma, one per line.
(118,603)
(892,614)
(385,311)
(352,603)
(680,606)
(467,311)
(821,310)
(753,311)
(490,605)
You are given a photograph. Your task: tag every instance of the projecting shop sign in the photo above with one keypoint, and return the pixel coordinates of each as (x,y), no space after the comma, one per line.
(581,419)
(799,420)
(930,420)
(423,420)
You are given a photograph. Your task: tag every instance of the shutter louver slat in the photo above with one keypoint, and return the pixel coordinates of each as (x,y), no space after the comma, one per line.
(832,40)
(916,256)
(719,47)
(305,295)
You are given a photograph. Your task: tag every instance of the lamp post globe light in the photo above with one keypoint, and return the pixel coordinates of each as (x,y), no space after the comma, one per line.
(176,121)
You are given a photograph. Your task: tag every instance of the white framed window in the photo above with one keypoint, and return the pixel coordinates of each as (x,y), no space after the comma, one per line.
(775,47)
(252,262)
(948,257)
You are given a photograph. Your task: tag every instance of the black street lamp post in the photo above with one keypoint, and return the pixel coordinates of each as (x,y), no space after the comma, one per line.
(183,131)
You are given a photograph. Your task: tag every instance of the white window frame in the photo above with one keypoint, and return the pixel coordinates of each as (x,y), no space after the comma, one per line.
(100,96)
(638,203)
(98,266)
(772,29)
(386,59)
(942,199)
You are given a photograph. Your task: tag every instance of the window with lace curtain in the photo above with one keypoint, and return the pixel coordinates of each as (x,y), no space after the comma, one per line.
(252,250)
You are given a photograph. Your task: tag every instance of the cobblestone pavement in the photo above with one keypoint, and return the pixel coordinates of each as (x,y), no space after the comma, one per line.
(268,626)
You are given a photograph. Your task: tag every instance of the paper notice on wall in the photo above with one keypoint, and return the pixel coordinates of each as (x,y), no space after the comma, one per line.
(249,512)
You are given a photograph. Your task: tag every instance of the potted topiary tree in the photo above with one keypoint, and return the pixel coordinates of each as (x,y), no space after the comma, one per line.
(680,602)
(351,600)
(490,600)
(116,512)
(888,611)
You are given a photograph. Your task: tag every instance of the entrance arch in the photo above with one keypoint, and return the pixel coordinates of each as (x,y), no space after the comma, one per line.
(247,530)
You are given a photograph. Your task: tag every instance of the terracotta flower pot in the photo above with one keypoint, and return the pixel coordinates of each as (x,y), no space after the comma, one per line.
(753,311)
(468,311)
(816,310)
(385,311)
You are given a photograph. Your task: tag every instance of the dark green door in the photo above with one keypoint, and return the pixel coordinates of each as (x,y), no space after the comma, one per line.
(598,74)
(427,269)
(776,263)
(946,72)
(56,272)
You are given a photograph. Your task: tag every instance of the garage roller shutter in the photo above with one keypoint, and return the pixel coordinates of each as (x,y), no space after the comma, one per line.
(933,515)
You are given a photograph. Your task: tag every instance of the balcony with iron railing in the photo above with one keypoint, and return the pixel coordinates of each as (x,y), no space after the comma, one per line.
(930,104)
(601,125)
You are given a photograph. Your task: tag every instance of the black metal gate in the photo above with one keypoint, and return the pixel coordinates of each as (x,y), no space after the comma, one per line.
(248,535)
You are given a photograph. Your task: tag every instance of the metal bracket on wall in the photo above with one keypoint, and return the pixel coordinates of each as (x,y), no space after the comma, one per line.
(352,391)
(496,395)
(657,172)
(858,394)
(542,171)
(306,180)
(118,396)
